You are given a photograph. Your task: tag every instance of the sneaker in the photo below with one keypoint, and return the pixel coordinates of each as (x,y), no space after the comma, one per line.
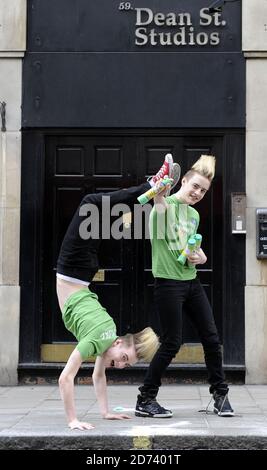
(176,173)
(165,170)
(150,408)
(222,405)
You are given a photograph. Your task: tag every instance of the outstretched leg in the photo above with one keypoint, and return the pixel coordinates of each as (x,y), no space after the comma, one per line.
(78,255)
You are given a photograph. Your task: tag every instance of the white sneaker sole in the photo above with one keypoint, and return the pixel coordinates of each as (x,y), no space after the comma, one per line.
(224,414)
(143,414)
(176,173)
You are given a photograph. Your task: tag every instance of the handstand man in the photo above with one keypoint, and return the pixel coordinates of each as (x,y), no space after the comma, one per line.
(86,318)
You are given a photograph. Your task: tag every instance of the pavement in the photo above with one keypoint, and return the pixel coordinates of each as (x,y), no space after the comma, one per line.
(32,417)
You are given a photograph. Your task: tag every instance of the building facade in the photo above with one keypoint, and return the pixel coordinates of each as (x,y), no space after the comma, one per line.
(99,94)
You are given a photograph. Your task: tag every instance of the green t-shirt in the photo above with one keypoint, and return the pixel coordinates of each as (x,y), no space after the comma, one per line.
(169,233)
(89,322)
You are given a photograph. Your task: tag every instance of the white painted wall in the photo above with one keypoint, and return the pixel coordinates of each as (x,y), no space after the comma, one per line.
(12,45)
(255,48)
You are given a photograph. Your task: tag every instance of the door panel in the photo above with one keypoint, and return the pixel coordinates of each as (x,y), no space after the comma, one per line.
(77,166)
(186,151)
(152,151)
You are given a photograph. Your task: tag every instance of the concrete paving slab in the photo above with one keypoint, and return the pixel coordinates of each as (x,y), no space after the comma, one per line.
(33,418)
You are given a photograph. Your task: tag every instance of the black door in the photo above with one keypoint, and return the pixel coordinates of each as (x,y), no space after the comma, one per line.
(186,151)
(76,165)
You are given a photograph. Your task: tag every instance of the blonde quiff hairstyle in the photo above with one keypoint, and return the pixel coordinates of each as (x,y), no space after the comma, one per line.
(204,166)
(146,343)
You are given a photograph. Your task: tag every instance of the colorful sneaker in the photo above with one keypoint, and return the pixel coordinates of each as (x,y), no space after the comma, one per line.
(150,408)
(222,405)
(165,170)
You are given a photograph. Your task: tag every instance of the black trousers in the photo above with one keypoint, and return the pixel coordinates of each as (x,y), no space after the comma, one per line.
(171,296)
(78,256)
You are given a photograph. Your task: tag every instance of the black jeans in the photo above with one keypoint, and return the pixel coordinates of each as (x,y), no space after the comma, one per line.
(171,296)
(78,257)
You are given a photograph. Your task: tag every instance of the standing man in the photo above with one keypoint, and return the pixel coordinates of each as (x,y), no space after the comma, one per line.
(172,221)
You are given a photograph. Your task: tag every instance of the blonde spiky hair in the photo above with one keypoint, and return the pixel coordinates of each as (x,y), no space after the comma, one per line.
(205,166)
(146,343)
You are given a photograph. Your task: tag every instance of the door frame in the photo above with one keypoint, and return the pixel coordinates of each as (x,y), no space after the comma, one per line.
(31,242)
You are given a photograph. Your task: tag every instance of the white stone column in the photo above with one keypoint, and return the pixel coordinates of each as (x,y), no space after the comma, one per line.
(255,49)
(12,47)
